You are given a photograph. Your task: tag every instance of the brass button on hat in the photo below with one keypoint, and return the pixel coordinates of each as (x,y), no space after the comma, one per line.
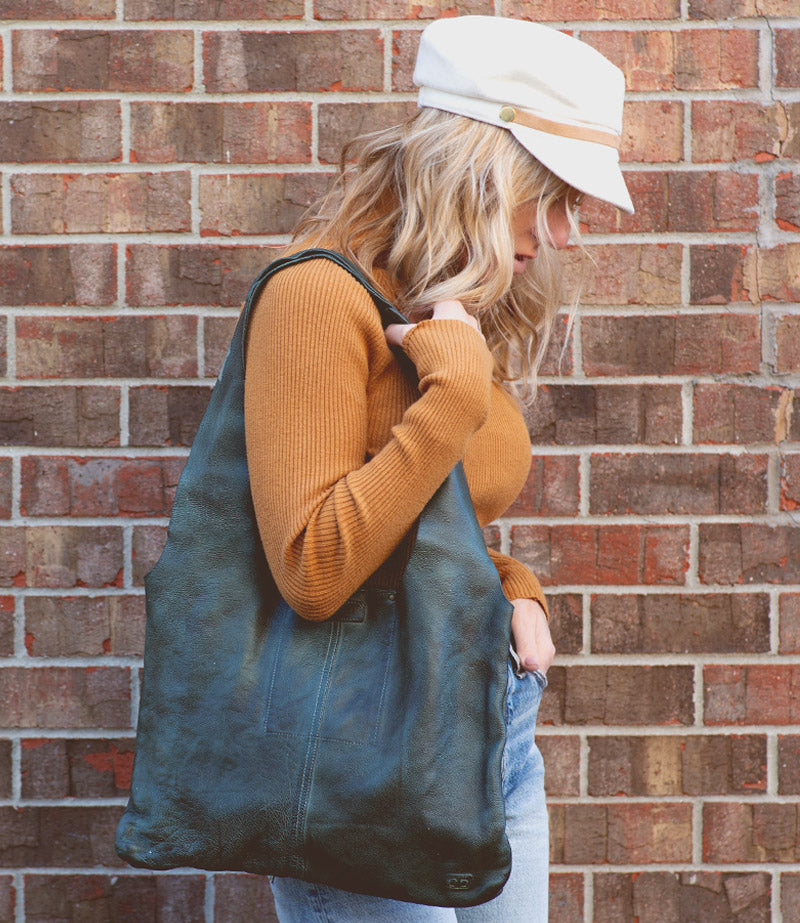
(508,113)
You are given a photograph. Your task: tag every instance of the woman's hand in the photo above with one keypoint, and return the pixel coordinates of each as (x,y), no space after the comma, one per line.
(442,310)
(531,634)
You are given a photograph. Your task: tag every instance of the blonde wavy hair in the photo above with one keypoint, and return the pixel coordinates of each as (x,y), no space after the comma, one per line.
(432,201)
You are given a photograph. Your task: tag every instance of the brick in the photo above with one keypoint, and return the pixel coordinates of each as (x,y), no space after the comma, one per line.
(3,345)
(84,627)
(654,897)
(790,482)
(110,203)
(681,483)
(552,488)
(733,553)
(566,622)
(341,122)
(788,764)
(679,202)
(742,9)
(7,630)
(148,542)
(166,416)
(787,57)
(558,357)
(631,274)
(628,695)
(790,894)
(561,10)
(680,623)
(107,347)
(57,9)
(65,697)
(661,765)
(59,416)
(66,131)
(750,833)
(712,59)
(8,897)
(12,562)
(404,54)
(743,414)
(217,333)
(605,415)
(205,10)
(647,58)
(399,9)
(243,897)
(75,274)
(143,898)
(58,837)
(652,132)
(773,274)
(755,694)
(562,757)
(54,486)
(723,131)
(596,555)
(242,61)
(687,60)
(789,608)
(671,345)
(96,59)
(566,897)
(251,132)
(5,488)
(787,201)
(717,274)
(76,768)
(192,274)
(66,556)
(5,784)
(623,833)
(257,203)
(551,709)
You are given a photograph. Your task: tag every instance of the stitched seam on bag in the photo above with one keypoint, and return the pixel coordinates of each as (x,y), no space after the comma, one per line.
(301,804)
(388,648)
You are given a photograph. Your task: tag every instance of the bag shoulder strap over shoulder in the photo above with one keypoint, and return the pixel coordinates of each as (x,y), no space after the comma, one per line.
(388,313)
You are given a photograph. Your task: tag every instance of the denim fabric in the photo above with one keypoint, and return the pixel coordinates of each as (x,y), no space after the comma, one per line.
(524,898)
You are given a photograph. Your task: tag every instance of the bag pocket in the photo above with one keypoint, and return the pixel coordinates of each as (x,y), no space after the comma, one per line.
(329,679)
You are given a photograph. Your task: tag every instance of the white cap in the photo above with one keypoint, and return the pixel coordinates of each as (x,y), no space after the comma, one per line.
(560,98)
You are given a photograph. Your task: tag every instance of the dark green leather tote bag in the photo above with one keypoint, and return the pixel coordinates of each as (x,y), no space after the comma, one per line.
(363,751)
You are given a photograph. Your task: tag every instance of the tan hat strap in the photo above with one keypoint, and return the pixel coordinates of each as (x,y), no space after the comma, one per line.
(529,120)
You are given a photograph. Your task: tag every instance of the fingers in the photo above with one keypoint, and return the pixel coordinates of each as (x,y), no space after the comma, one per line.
(395,333)
(531,632)
(442,310)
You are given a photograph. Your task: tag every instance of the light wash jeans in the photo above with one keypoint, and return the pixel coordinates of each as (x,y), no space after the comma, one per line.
(524,898)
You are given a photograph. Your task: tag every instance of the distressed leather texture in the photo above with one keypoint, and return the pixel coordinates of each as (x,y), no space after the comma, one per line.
(363,751)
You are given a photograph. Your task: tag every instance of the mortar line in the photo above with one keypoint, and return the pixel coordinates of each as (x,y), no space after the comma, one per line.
(774,621)
(773,764)
(198,77)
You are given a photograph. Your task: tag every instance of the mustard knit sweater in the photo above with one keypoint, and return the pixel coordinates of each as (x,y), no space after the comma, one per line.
(344,452)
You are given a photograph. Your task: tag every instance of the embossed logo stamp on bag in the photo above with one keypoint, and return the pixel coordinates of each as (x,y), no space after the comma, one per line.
(461,881)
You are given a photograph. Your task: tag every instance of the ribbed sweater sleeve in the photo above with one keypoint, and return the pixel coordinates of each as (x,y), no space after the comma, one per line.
(327,516)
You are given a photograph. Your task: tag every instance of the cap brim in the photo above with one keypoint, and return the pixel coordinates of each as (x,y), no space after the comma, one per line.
(590,167)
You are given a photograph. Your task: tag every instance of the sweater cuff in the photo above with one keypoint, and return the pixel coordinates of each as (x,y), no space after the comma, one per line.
(448,346)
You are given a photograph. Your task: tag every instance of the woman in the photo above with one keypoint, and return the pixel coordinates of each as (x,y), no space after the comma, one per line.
(457,216)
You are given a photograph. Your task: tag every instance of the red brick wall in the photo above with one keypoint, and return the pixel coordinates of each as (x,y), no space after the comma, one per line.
(151,151)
